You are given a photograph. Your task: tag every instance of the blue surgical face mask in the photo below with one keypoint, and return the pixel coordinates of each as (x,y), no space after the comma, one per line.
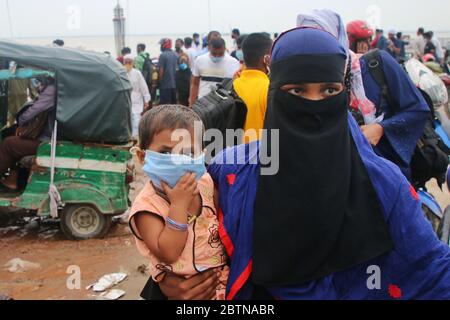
(217,59)
(240,55)
(170,168)
(183,66)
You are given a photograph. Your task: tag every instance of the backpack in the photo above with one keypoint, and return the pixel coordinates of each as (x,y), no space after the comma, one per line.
(431,157)
(222,109)
(147,71)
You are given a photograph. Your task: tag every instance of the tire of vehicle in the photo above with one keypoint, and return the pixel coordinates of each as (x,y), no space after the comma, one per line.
(444,229)
(432,218)
(83,221)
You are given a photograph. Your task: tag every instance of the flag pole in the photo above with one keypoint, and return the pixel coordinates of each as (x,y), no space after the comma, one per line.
(8,10)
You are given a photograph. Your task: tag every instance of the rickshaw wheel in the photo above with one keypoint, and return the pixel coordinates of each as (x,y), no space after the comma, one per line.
(432,218)
(444,229)
(83,221)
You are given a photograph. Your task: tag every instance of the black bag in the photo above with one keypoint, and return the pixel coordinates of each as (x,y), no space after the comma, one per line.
(223,110)
(147,71)
(431,157)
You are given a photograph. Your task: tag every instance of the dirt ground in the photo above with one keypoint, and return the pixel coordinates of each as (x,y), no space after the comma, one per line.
(47,246)
(96,258)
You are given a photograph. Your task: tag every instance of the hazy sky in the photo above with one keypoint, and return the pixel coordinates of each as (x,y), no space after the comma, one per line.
(94,17)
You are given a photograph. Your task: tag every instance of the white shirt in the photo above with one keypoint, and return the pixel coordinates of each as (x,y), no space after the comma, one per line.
(211,73)
(419,46)
(192,54)
(140,93)
(439,50)
(197,47)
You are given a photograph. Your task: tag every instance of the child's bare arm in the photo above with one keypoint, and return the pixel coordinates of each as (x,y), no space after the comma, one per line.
(164,242)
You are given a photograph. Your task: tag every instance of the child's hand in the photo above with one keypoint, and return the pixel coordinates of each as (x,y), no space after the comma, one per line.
(184,192)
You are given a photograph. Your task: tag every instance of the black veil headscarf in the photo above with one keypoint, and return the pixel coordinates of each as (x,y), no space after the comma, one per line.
(320,214)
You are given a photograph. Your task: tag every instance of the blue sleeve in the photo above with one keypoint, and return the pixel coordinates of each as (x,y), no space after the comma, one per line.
(382,44)
(404,128)
(425,260)
(217,165)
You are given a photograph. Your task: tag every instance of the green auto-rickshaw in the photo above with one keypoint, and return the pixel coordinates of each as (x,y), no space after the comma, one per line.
(82,176)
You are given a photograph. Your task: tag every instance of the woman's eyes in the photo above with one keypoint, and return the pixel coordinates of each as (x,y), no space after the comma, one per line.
(331,91)
(301,92)
(296,91)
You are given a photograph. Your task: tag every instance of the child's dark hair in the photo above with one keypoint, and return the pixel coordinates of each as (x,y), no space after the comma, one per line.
(158,119)
(255,47)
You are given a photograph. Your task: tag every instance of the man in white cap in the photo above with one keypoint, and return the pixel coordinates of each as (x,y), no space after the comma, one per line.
(140,96)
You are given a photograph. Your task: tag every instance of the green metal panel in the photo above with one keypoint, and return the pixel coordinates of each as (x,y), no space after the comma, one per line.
(8,201)
(107,190)
(64,149)
(79,151)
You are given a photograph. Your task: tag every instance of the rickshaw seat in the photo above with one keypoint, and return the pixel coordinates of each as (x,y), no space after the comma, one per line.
(27,162)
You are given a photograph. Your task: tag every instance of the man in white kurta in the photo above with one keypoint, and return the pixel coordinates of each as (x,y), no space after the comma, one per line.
(140,96)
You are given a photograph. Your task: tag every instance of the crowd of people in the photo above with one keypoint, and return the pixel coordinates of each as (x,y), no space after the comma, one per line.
(425,47)
(191,70)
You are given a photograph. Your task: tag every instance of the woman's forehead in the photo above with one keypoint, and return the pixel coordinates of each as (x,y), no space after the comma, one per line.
(171,137)
(306,41)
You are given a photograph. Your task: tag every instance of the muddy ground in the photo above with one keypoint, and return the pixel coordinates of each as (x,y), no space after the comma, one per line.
(94,257)
(46,246)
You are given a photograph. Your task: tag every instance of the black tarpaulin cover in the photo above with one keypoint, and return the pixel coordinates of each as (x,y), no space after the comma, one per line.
(93,103)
